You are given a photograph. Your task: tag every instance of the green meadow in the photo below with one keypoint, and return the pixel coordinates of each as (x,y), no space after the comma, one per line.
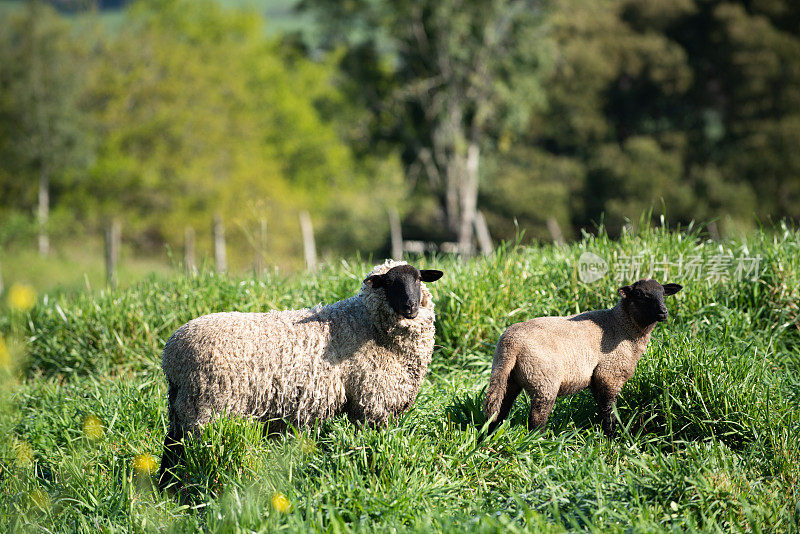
(711,418)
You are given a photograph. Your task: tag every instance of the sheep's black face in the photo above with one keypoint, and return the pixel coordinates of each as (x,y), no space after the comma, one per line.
(401,285)
(645,300)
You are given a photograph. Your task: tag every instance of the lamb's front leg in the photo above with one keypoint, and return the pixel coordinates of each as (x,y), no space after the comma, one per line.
(605,393)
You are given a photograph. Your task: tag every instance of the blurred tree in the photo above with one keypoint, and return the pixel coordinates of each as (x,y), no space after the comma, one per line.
(613,111)
(44,137)
(443,80)
(530,186)
(691,102)
(200,114)
(748,64)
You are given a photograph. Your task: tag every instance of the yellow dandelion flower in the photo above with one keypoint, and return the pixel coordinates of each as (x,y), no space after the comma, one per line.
(39,498)
(145,464)
(5,355)
(21,297)
(281,503)
(93,427)
(23,453)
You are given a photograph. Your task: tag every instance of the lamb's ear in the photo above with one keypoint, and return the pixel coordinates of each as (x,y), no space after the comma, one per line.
(671,289)
(374,281)
(624,291)
(430,275)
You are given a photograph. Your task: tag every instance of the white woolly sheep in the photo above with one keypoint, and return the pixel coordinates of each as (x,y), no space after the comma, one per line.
(364,356)
(550,357)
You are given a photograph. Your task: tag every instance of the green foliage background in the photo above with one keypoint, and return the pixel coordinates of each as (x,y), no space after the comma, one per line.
(600,111)
(193,111)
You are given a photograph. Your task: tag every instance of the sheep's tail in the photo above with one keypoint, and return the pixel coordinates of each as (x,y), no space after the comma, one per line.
(502,365)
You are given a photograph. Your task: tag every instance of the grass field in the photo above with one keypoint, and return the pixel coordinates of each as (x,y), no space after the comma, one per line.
(712,415)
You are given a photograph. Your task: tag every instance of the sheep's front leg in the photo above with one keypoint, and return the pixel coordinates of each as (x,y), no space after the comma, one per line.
(366,416)
(605,394)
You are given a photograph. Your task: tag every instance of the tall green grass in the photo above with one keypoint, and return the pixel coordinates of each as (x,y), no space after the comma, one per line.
(711,418)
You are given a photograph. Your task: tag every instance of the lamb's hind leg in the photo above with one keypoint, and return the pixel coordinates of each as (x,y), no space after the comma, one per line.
(512,392)
(541,406)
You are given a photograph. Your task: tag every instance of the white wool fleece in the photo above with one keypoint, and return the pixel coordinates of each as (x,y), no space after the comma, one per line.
(355,356)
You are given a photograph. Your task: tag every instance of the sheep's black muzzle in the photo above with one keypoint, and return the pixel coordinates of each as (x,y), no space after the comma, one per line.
(410,312)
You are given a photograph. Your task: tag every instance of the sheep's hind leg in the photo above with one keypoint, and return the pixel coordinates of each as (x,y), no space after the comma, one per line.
(174,452)
(512,392)
(541,406)
(172,457)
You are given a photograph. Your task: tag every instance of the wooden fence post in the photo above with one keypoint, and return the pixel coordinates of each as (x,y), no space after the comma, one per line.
(112,235)
(220,255)
(261,247)
(188,250)
(713,230)
(396,234)
(308,241)
(555,231)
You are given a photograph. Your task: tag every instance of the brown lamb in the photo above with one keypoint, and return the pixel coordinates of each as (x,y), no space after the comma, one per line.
(550,357)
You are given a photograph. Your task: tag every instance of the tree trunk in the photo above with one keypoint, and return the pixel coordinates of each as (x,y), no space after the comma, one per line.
(449,155)
(468,197)
(482,233)
(396,234)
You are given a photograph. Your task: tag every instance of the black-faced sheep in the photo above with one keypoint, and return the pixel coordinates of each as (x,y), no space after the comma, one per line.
(553,356)
(364,356)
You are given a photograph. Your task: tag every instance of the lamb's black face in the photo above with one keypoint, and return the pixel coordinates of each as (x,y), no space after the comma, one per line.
(402,288)
(645,300)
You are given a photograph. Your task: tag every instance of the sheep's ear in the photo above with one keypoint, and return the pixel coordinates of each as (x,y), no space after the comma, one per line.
(671,289)
(430,275)
(374,281)
(624,291)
